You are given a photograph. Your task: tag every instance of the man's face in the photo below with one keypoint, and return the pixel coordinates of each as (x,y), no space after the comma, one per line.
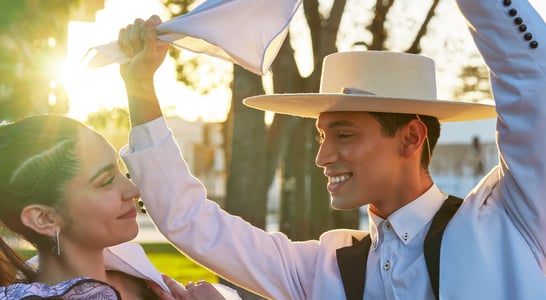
(361,163)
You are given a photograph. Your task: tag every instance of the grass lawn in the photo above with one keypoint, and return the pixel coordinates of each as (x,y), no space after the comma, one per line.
(175,264)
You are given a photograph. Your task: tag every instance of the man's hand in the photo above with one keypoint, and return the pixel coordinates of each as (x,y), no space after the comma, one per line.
(200,291)
(140,44)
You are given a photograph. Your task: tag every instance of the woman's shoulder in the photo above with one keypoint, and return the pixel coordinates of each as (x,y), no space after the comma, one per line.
(77,288)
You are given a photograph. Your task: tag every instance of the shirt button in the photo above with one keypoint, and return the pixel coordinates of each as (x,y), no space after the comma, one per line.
(387,265)
(388,225)
(405,236)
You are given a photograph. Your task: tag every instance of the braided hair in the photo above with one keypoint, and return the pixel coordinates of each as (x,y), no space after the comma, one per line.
(37,159)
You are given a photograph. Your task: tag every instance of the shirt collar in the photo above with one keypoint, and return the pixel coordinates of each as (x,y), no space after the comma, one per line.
(408,220)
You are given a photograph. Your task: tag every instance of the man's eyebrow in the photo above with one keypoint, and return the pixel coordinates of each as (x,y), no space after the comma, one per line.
(339,123)
(102,170)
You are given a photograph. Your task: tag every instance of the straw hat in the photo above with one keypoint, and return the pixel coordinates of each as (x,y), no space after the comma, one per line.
(378,81)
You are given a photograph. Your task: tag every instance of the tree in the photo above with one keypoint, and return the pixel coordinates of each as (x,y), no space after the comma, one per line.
(475,84)
(33,44)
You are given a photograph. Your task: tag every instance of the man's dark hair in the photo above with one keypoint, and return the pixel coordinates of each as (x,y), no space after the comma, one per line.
(391,122)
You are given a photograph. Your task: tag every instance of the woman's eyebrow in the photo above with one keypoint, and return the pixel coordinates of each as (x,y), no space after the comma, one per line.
(102,170)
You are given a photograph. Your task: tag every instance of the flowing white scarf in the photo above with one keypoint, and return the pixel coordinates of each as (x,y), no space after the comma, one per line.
(245,32)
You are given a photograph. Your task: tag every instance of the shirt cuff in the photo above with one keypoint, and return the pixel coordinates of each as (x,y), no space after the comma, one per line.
(148,135)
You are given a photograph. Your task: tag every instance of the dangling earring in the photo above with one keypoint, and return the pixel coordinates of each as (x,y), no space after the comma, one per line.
(56,244)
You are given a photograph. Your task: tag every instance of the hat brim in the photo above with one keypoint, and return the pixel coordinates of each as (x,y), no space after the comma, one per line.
(312,104)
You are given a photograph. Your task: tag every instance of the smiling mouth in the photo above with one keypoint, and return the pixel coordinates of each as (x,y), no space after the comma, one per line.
(338,179)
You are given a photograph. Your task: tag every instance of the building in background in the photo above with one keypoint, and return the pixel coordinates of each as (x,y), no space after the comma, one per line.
(465,152)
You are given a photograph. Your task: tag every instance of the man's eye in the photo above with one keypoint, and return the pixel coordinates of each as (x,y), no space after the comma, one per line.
(343,135)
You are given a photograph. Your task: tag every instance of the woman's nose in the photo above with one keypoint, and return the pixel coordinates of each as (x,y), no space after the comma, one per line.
(131,191)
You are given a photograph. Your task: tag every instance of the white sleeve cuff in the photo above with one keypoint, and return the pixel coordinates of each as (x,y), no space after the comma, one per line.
(148,135)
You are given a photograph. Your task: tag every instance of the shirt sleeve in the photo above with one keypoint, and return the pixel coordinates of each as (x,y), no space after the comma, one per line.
(148,135)
(509,36)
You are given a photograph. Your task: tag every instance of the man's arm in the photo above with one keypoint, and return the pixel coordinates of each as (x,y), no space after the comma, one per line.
(510,37)
(139,42)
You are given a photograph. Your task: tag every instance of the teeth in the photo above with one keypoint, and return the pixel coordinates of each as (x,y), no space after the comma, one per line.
(338,179)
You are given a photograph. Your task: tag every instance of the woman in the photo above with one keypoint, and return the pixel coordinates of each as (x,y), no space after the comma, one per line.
(63,191)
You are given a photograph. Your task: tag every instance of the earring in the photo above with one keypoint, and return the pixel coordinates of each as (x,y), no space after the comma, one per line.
(56,249)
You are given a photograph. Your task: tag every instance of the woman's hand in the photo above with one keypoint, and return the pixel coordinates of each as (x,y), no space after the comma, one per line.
(200,291)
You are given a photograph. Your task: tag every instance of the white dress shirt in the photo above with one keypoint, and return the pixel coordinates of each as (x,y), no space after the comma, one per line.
(396,252)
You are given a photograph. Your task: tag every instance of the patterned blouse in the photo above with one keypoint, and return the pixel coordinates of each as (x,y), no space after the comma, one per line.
(78,289)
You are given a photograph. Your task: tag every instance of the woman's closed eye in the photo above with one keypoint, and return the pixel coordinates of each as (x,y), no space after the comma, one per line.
(108,181)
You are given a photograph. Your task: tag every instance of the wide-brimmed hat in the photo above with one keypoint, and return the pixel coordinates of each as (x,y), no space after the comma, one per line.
(374,81)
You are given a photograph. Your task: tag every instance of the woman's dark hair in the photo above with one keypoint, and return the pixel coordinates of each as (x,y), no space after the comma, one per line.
(390,122)
(37,159)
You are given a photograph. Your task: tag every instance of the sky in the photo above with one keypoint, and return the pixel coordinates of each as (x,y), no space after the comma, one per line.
(89,90)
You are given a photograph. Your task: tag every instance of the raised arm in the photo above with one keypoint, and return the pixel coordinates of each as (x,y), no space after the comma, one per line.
(139,42)
(510,36)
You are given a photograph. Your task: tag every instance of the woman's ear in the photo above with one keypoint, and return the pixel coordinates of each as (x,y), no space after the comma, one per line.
(40,218)
(415,133)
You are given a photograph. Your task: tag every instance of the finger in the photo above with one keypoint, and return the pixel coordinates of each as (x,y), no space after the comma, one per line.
(135,35)
(159,292)
(123,41)
(155,19)
(177,290)
(149,33)
(204,290)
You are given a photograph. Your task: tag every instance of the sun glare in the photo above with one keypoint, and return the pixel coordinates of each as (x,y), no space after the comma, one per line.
(91,90)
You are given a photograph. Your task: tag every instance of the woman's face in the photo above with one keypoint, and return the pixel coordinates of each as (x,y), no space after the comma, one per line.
(100,208)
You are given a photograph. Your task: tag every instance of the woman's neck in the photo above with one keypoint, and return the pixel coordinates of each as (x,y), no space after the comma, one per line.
(54,269)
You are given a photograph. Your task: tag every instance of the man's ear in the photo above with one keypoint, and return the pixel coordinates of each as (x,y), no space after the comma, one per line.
(415,133)
(41,218)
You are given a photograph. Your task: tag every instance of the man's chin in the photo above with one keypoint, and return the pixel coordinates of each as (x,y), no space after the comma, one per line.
(342,203)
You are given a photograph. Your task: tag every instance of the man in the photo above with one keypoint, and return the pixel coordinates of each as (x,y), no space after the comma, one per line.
(377,115)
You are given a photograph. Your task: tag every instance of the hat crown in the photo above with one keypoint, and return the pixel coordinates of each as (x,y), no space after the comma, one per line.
(382,73)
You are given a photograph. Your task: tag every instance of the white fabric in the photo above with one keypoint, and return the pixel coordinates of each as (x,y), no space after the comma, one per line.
(131,259)
(246,32)
(493,248)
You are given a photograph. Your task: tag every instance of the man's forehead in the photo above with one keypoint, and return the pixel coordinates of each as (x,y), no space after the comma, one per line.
(338,118)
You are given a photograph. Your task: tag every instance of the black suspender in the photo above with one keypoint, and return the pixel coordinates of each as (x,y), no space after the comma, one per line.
(352,260)
(433,240)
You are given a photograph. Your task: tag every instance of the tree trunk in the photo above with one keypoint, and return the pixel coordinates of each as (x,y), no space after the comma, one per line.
(246,194)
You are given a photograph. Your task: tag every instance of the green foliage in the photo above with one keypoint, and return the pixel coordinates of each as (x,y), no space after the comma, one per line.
(101,119)
(32,46)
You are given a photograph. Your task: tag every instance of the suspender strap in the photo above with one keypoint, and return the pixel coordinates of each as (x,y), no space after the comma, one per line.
(352,260)
(433,240)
